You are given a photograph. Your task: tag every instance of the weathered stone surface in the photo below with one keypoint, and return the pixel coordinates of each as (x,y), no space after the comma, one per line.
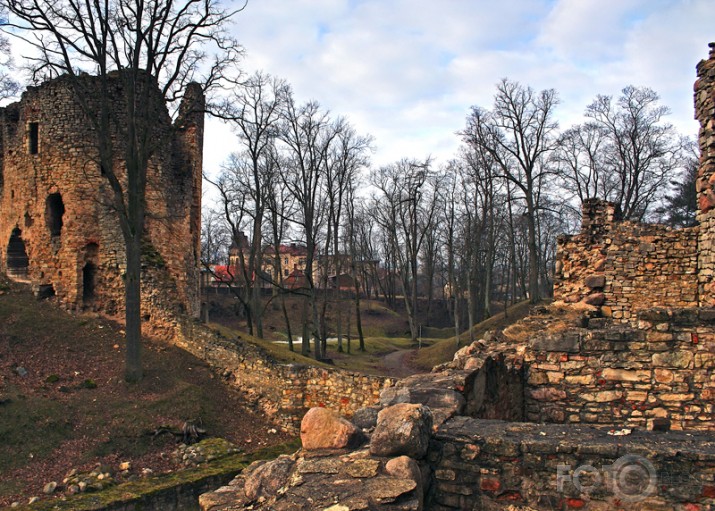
(267,478)
(365,418)
(438,391)
(568,342)
(402,429)
(404,467)
(548,394)
(595,281)
(626,375)
(335,481)
(595,299)
(681,359)
(363,468)
(68,235)
(324,429)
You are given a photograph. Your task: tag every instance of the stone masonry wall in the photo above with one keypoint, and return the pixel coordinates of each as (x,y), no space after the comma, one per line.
(629,377)
(705,184)
(495,465)
(283,391)
(625,266)
(424,452)
(54,202)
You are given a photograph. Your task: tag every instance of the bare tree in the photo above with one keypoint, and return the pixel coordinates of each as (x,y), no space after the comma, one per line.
(9,87)
(253,109)
(149,44)
(580,161)
(641,152)
(348,156)
(308,133)
(519,134)
(405,210)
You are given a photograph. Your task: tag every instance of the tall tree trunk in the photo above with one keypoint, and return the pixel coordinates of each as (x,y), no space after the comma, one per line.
(287,322)
(305,346)
(133,371)
(533,253)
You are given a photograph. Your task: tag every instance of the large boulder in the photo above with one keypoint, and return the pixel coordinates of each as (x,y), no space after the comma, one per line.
(440,392)
(325,429)
(404,467)
(402,429)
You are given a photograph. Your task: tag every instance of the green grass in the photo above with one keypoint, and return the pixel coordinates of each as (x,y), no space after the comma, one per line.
(444,350)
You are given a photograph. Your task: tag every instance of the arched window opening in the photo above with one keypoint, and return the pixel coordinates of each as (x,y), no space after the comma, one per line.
(17,260)
(54,210)
(33,137)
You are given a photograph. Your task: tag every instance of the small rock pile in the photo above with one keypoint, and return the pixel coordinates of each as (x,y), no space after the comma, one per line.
(203,452)
(80,482)
(386,473)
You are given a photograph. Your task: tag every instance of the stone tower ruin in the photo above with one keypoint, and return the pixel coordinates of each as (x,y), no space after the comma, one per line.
(58,231)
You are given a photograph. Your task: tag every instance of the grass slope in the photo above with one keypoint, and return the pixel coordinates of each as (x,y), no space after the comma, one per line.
(64,404)
(444,350)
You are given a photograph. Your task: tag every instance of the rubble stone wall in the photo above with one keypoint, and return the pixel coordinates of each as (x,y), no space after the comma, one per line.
(283,391)
(55,205)
(705,184)
(625,266)
(479,464)
(663,369)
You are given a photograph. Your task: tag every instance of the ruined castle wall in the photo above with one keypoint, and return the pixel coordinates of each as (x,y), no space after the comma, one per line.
(479,464)
(283,391)
(626,266)
(55,200)
(664,369)
(705,184)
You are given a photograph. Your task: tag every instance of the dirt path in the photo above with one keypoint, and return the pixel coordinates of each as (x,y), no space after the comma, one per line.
(399,363)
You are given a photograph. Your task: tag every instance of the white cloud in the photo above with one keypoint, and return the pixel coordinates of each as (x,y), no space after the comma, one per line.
(407,71)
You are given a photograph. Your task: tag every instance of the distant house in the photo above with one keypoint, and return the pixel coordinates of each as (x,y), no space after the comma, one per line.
(296,279)
(293,258)
(239,248)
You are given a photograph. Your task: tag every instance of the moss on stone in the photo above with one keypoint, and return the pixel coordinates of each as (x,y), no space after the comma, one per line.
(144,488)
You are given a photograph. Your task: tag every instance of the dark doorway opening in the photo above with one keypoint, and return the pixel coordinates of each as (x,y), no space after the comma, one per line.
(54,210)
(89,281)
(17,260)
(90,272)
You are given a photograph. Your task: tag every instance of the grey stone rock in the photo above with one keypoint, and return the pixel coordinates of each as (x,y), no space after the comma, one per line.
(441,392)
(403,428)
(568,342)
(595,281)
(366,418)
(269,477)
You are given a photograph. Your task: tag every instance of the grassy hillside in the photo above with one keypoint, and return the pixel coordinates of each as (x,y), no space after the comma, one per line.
(444,350)
(64,404)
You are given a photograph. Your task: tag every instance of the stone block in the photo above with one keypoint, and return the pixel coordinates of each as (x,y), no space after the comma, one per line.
(568,342)
(595,281)
(626,375)
(677,359)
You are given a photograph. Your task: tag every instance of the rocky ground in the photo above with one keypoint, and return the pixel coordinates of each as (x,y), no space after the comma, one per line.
(67,416)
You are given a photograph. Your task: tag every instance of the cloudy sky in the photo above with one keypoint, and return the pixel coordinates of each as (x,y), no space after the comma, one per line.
(407,71)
